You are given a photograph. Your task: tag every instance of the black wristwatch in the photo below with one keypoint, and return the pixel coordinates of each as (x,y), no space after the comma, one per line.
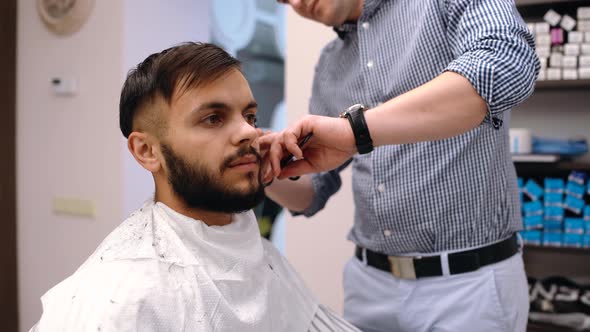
(355,116)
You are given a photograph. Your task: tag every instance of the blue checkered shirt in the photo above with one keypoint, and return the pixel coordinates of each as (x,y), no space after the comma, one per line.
(440,195)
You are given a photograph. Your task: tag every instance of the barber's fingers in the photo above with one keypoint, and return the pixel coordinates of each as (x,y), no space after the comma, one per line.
(275,156)
(296,168)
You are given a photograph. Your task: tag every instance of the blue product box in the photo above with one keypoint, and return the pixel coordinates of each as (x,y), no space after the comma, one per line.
(553,226)
(552,239)
(573,240)
(533,208)
(554,185)
(586,241)
(577,177)
(533,190)
(533,222)
(573,204)
(587,213)
(555,213)
(587,227)
(574,189)
(531,237)
(574,225)
(553,199)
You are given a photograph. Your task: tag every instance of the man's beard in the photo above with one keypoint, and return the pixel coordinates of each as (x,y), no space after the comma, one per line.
(199,188)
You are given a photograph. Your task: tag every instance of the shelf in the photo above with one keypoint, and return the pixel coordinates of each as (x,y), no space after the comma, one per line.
(535,158)
(542,262)
(540,327)
(565,250)
(543,2)
(563,84)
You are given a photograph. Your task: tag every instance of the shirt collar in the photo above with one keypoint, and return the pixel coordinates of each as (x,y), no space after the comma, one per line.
(369,8)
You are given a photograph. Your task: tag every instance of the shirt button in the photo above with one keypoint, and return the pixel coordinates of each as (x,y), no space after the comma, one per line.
(381,188)
(370,64)
(365,25)
(387,232)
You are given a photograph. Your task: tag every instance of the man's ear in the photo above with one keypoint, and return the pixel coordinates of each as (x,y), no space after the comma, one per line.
(143,148)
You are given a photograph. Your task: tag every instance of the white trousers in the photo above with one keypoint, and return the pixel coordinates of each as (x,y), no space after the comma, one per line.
(493,298)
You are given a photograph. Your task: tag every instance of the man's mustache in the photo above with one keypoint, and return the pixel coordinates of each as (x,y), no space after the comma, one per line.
(243,151)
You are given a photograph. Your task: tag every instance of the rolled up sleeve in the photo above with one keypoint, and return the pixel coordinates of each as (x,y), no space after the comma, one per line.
(494,50)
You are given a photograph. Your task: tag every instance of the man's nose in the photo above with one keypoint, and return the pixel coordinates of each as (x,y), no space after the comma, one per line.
(244,133)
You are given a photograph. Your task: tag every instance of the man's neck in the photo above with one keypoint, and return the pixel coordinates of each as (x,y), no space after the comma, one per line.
(210,218)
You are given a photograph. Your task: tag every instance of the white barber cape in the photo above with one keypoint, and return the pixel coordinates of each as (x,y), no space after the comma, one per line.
(163,271)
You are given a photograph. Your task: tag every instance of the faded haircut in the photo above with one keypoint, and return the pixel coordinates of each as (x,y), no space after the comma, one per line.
(169,73)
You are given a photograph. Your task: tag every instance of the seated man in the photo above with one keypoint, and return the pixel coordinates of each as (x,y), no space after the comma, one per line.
(192,259)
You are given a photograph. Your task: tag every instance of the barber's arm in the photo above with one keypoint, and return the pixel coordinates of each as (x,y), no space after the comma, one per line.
(495,68)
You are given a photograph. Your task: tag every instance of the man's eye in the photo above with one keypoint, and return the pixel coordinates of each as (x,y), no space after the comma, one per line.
(213,119)
(251,118)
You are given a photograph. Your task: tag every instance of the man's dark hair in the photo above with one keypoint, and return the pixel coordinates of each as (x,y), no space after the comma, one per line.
(174,70)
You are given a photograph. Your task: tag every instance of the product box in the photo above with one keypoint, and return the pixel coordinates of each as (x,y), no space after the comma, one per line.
(543,75)
(577,177)
(584,72)
(575,37)
(574,189)
(573,204)
(553,199)
(570,61)
(586,37)
(584,25)
(552,17)
(552,226)
(554,213)
(543,51)
(533,190)
(574,226)
(552,239)
(587,213)
(533,208)
(583,13)
(570,74)
(543,39)
(586,241)
(567,23)
(554,74)
(533,222)
(531,27)
(584,60)
(542,28)
(554,185)
(585,49)
(587,227)
(571,49)
(573,240)
(556,60)
(557,36)
(531,237)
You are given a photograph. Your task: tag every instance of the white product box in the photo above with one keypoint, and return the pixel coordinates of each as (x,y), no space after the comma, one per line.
(543,51)
(554,74)
(543,39)
(584,73)
(583,13)
(542,75)
(584,60)
(584,25)
(587,37)
(543,61)
(542,28)
(575,37)
(531,27)
(556,60)
(571,49)
(552,17)
(567,23)
(585,48)
(570,74)
(569,61)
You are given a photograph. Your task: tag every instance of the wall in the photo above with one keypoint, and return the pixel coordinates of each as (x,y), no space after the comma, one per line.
(317,247)
(72,146)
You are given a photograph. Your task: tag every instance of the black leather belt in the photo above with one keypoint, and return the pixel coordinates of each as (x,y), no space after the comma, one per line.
(430,266)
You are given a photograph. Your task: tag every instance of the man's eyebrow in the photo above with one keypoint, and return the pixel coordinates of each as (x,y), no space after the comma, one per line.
(217,105)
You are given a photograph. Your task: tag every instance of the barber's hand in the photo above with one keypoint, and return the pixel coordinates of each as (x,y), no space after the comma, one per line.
(331,145)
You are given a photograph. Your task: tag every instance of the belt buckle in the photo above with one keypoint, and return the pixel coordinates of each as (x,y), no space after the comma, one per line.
(402,267)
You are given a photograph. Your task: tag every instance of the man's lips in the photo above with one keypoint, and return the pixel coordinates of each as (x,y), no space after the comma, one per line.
(244,161)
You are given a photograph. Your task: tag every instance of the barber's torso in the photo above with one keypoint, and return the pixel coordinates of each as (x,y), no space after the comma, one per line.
(425,197)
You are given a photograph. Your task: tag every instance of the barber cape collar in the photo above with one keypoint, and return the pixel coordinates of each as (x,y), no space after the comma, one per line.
(163,270)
